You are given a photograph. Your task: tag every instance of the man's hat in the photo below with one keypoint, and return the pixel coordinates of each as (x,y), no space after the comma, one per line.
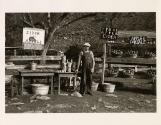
(87,44)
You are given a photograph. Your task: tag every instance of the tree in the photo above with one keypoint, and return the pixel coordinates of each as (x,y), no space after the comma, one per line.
(77,26)
(52,24)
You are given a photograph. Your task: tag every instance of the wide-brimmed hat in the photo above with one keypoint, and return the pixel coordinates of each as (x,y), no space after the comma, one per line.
(87,44)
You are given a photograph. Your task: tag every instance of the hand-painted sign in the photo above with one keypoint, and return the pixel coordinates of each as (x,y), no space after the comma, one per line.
(111,34)
(138,39)
(33,38)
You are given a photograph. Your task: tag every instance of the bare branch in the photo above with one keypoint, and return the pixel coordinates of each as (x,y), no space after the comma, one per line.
(61,19)
(31,20)
(90,29)
(26,22)
(49,19)
(82,17)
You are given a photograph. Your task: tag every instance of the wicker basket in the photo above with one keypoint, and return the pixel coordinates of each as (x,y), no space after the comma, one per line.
(149,55)
(112,72)
(151,73)
(128,73)
(133,55)
(117,53)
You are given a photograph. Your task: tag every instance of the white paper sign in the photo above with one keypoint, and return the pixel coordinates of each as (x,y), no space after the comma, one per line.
(33,38)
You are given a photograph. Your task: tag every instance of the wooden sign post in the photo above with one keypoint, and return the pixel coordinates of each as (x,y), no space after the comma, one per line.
(104,63)
(110,34)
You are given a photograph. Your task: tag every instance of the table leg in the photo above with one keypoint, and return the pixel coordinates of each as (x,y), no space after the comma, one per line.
(12,87)
(74,83)
(70,81)
(51,85)
(48,80)
(58,85)
(22,85)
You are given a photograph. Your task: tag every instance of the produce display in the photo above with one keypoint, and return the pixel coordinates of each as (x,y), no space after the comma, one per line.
(132,47)
(117,53)
(128,73)
(151,73)
(132,53)
(112,72)
(149,54)
(151,41)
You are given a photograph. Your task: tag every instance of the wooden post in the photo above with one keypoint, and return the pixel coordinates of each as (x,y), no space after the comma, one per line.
(109,54)
(15,52)
(104,62)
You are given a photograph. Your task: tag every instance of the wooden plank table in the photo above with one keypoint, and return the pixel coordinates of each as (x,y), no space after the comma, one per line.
(36,73)
(66,75)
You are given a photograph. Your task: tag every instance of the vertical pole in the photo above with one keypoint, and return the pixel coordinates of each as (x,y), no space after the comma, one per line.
(15,52)
(22,85)
(109,51)
(75,80)
(58,84)
(52,85)
(12,87)
(109,54)
(104,62)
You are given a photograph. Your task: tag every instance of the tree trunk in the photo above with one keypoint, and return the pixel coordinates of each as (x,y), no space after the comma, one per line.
(47,44)
(49,40)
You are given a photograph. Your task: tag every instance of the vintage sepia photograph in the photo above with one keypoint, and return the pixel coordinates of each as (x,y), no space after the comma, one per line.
(80,62)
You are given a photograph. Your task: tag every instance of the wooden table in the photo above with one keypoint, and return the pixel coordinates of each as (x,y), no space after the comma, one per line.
(66,75)
(35,73)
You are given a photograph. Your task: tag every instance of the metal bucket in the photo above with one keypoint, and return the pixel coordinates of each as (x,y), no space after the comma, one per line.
(40,89)
(94,86)
(108,87)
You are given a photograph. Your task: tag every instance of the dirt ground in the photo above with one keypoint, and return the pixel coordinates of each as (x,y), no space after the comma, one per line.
(130,98)
(126,98)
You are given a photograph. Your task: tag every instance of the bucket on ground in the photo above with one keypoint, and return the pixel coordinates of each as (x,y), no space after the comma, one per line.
(40,89)
(108,87)
(94,86)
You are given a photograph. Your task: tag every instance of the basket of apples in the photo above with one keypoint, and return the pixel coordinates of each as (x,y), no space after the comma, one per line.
(112,72)
(117,53)
(151,73)
(128,73)
(132,53)
(149,54)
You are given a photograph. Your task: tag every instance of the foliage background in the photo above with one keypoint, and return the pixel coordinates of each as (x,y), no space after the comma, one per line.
(84,30)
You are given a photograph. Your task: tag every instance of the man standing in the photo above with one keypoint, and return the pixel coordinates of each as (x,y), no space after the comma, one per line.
(88,63)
